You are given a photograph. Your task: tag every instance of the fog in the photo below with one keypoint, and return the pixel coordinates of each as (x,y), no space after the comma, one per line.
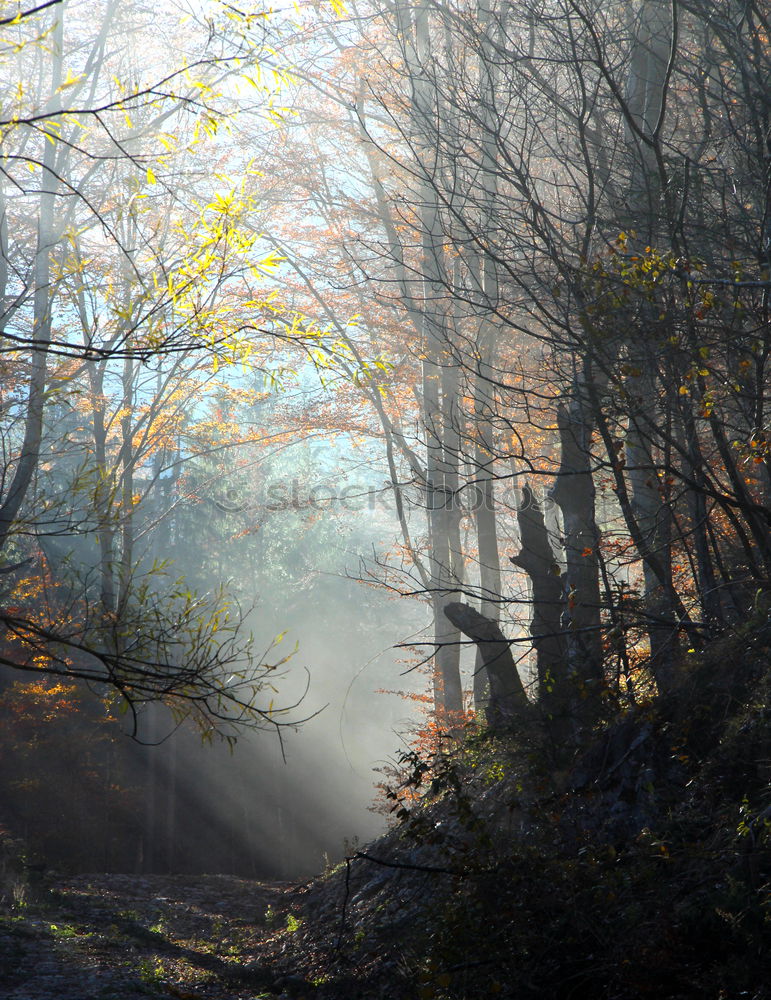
(293,305)
(280,809)
(204,496)
(284,803)
(288,531)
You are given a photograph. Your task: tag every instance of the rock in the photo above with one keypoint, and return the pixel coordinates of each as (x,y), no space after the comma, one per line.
(255,973)
(292,986)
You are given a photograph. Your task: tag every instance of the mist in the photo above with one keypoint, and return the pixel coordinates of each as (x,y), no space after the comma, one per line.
(291,528)
(317,324)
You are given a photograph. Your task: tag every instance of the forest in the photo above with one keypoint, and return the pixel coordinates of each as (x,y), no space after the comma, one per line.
(385,499)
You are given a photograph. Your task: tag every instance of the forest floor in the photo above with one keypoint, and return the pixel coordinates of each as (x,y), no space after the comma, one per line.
(125,937)
(204,937)
(640,868)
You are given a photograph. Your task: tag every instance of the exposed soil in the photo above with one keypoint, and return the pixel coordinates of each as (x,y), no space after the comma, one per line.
(211,937)
(121,937)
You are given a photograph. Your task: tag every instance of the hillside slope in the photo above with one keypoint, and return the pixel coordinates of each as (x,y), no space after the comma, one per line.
(642,869)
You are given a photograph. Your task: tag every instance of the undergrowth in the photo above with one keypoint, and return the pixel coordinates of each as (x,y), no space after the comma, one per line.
(642,870)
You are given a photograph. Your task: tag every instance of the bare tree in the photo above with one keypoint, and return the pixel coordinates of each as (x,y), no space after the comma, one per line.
(102,294)
(569,173)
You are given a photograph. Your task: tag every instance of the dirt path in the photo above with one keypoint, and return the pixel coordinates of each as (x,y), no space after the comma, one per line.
(120,937)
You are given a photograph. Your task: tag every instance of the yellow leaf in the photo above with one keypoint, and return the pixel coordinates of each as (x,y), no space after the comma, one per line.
(69,82)
(150,176)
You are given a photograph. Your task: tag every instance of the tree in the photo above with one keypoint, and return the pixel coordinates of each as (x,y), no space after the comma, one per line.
(556,191)
(623,316)
(127,294)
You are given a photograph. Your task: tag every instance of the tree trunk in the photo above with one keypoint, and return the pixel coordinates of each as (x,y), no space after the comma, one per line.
(103,490)
(484,387)
(574,494)
(47,239)
(653,519)
(646,97)
(536,558)
(436,343)
(508,701)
